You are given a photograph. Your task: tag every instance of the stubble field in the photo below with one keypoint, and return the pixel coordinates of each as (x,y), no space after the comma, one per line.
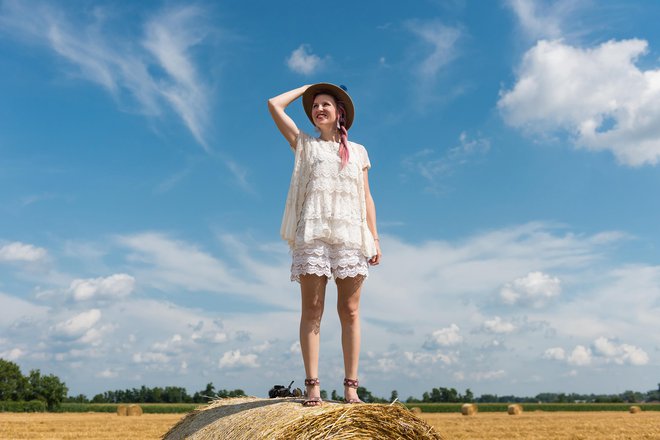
(486,426)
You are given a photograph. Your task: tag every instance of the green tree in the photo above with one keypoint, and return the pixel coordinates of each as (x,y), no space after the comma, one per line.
(468,397)
(324,394)
(394,395)
(334,395)
(13,385)
(49,389)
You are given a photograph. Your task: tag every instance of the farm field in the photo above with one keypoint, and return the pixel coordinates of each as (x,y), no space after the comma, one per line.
(486,426)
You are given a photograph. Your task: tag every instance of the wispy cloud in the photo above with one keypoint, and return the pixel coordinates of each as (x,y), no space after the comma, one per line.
(435,167)
(540,19)
(440,39)
(158,72)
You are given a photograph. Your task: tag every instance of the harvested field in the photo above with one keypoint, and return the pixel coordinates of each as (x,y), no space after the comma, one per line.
(89,426)
(531,425)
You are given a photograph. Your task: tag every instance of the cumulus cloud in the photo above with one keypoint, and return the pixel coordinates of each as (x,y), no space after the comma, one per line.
(487,375)
(620,353)
(444,337)
(78,325)
(115,286)
(535,290)
(555,353)
(234,359)
(497,325)
(421,359)
(580,356)
(598,96)
(18,251)
(107,374)
(13,354)
(303,61)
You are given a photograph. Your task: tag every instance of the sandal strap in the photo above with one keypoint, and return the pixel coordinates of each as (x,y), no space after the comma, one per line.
(351,383)
(312,382)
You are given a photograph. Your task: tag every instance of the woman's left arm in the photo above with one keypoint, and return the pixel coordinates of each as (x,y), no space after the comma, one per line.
(371,217)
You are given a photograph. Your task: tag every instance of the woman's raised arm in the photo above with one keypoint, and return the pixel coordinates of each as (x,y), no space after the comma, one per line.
(277,107)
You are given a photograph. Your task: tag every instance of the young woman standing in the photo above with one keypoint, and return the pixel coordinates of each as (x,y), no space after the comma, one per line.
(329,223)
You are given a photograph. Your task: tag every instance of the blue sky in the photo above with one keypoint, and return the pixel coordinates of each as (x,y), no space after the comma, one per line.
(514,147)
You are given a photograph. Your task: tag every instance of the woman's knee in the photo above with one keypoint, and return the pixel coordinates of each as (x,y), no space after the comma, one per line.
(348,310)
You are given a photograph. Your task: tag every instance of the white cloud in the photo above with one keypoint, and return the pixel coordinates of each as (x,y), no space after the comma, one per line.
(433,166)
(234,358)
(620,353)
(78,325)
(441,38)
(20,309)
(303,61)
(540,19)
(18,251)
(121,66)
(115,286)
(424,359)
(444,337)
(497,325)
(107,374)
(598,96)
(535,289)
(580,356)
(13,354)
(487,375)
(170,38)
(555,353)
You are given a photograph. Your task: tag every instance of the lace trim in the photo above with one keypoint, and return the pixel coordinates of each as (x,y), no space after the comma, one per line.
(327,260)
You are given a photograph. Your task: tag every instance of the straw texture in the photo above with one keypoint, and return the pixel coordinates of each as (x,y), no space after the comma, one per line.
(279,419)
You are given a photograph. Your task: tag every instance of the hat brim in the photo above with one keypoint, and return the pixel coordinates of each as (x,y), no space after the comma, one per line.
(333,90)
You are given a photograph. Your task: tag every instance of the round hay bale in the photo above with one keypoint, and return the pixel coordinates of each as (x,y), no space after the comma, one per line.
(122,410)
(134,410)
(250,418)
(514,409)
(635,409)
(416,410)
(469,409)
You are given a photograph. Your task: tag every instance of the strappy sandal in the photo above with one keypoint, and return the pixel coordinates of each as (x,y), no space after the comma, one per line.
(352,383)
(312,401)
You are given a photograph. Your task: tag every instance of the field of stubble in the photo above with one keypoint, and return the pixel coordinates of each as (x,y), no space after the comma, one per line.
(487,426)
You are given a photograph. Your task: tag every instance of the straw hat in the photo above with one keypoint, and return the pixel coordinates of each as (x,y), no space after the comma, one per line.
(339,92)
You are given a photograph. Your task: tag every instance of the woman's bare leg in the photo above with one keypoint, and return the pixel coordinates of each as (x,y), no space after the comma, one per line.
(312,289)
(348,307)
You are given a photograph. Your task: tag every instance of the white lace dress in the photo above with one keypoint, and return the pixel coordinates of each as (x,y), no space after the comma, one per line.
(325,217)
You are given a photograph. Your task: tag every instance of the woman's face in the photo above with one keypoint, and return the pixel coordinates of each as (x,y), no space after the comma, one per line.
(324,111)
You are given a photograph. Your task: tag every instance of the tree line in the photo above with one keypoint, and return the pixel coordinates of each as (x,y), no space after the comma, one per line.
(14,386)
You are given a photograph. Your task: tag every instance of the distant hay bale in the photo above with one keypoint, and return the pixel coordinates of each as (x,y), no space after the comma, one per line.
(514,409)
(250,418)
(635,409)
(134,410)
(122,410)
(416,410)
(469,409)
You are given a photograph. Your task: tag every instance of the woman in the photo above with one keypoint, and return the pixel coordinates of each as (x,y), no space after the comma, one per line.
(329,222)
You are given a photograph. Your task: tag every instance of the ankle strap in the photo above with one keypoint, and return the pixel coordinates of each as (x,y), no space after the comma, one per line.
(351,383)
(312,382)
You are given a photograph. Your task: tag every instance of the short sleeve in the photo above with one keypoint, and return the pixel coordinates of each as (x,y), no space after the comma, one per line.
(366,164)
(301,139)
